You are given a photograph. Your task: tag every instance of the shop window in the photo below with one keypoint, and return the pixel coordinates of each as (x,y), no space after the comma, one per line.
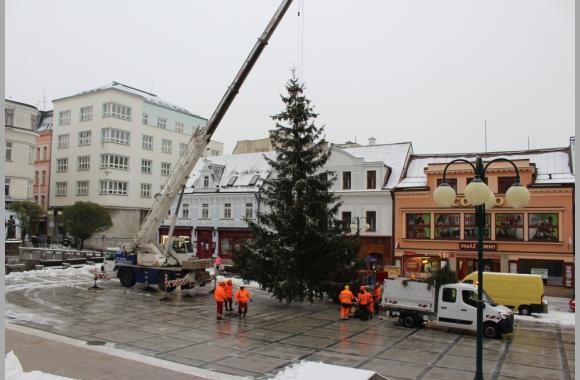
(504,183)
(470,231)
(418,226)
(446,226)
(450,181)
(509,227)
(543,227)
(449,295)
(551,270)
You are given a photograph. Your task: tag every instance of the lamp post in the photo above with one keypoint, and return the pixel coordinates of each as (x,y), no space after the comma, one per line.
(481,197)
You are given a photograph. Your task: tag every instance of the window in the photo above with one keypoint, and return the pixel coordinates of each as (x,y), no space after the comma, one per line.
(145,119)
(145,190)
(161,123)
(178,127)
(346,218)
(418,226)
(8,151)
(83,163)
(205,181)
(36,177)
(146,166)
(214,152)
(61,189)
(470,231)
(9,116)
(29,189)
(509,227)
(62,164)
(42,201)
(147,142)
(371,219)
(449,295)
(227,211)
(64,118)
(447,226)
(116,110)
(112,187)
(44,177)
(185,211)
(469,297)
(543,227)
(205,211)
(30,155)
(182,149)
(249,210)
(166,146)
(346,180)
(114,161)
(254,179)
(7,187)
(36,199)
(504,183)
(165,168)
(37,154)
(114,135)
(82,188)
(63,141)
(84,138)
(44,153)
(371,179)
(232,180)
(33,122)
(86,113)
(450,181)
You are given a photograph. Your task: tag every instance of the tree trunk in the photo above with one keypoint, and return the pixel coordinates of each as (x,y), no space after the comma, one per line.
(82,244)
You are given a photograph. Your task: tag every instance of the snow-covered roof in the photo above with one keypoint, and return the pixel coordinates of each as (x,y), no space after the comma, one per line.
(553,165)
(242,166)
(45,121)
(146,96)
(392,155)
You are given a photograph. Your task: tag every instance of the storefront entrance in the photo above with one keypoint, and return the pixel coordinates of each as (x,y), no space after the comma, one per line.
(466,266)
(204,244)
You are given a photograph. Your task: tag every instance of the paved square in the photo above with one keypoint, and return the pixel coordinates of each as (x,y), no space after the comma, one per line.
(274,335)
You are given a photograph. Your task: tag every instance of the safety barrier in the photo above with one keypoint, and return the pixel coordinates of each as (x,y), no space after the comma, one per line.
(99,276)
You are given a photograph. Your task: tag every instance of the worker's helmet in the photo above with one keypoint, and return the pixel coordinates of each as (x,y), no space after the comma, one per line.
(346,287)
(229,281)
(377,285)
(362,288)
(242,286)
(222,283)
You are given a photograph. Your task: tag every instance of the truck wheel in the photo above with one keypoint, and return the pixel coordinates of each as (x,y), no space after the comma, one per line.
(126,277)
(490,330)
(409,321)
(161,281)
(524,310)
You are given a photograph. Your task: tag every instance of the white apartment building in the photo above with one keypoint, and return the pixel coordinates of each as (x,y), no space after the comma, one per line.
(20,127)
(116,146)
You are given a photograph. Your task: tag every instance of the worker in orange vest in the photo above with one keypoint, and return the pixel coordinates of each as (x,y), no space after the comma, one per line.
(220,295)
(242,298)
(345,298)
(370,302)
(363,301)
(229,295)
(377,294)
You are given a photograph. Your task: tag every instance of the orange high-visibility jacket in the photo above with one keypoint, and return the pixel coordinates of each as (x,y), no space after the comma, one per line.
(219,293)
(345,296)
(243,295)
(229,291)
(362,298)
(378,294)
(370,298)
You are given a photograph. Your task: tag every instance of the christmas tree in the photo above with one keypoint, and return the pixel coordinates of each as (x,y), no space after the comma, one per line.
(300,249)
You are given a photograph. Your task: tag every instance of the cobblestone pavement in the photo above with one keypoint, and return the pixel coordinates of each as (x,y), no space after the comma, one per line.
(184,330)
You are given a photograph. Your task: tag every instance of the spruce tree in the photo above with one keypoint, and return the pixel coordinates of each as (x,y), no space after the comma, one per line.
(300,249)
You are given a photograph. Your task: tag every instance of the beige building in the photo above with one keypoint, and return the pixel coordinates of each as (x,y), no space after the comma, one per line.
(116,146)
(253,146)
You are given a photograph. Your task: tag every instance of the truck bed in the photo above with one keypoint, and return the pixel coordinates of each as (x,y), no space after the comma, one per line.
(405,294)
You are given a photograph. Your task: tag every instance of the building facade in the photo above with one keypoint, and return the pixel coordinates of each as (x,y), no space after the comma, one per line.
(20,134)
(42,152)
(537,239)
(115,146)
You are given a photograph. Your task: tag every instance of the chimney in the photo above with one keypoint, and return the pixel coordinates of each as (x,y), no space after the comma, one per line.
(372,141)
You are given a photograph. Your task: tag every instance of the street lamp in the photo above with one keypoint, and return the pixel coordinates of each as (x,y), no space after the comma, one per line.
(479,195)
(355,225)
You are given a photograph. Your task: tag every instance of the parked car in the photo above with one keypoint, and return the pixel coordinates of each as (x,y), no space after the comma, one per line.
(521,292)
(572,304)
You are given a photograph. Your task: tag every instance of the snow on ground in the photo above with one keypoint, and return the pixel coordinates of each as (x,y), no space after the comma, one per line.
(306,370)
(13,371)
(49,277)
(558,313)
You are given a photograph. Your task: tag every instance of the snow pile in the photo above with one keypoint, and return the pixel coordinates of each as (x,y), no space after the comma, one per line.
(13,371)
(558,313)
(51,277)
(239,282)
(316,371)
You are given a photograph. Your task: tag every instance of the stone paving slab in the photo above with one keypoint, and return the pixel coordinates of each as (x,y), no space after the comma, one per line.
(284,351)
(337,358)
(521,371)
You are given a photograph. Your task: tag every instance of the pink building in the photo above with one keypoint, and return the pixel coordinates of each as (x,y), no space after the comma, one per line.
(42,165)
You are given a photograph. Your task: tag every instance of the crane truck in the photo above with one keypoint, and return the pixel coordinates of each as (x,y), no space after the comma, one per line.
(143,260)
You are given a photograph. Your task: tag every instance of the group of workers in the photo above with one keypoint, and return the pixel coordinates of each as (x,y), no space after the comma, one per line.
(223,295)
(367,302)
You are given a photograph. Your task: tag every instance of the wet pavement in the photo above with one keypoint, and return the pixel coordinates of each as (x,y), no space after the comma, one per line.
(184,330)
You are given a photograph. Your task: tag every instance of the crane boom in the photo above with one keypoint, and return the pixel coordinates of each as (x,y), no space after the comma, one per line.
(144,240)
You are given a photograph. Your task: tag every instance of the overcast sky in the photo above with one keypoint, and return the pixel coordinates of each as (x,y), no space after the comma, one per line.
(424,71)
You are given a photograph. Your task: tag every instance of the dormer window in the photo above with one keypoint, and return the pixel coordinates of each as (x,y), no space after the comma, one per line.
(206,181)
(232,180)
(254,180)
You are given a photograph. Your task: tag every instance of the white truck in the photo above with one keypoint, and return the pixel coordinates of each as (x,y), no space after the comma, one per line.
(455,305)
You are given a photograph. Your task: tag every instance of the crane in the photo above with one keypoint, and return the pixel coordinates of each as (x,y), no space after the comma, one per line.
(142,259)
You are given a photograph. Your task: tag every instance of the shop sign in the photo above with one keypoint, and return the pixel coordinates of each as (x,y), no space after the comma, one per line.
(472,246)
(541,271)
(413,265)
(409,253)
(569,271)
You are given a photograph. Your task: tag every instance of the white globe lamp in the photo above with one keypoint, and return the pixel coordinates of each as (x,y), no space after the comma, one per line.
(477,192)
(444,195)
(490,202)
(353,228)
(517,195)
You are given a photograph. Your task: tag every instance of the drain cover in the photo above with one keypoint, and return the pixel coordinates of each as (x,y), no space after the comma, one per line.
(96,343)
